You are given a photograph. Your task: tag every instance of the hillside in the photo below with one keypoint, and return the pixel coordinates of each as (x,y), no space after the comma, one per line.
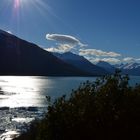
(81,63)
(19,57)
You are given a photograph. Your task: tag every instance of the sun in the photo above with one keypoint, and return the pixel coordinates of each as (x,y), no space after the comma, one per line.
(19,3)
(16,3)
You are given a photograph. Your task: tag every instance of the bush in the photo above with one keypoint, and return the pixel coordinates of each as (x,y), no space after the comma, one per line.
(105,109)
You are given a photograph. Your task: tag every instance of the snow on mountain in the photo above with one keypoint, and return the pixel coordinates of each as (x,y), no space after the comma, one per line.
(129,66)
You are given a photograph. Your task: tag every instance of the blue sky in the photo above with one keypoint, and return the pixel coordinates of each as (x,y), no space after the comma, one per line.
(105,26)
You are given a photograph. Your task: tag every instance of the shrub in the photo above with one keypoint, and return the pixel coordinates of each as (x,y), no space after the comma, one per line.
(106,109)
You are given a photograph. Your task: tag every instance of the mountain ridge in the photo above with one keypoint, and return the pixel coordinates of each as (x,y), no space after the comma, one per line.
(132,68)
(20,57)
(81,63)
(106,66)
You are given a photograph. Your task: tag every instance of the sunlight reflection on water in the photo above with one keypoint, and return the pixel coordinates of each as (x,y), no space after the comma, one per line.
(20,91)
(23,98)
(32,90)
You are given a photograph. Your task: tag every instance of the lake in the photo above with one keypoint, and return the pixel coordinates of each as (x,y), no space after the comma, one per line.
(24,91)
(23,98)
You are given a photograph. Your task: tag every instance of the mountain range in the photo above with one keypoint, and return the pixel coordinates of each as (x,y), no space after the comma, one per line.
(81,62)
(107,66)
(128,68)
(101,68)
(19,57)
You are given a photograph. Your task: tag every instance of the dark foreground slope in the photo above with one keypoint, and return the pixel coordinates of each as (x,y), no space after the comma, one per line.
(19,57)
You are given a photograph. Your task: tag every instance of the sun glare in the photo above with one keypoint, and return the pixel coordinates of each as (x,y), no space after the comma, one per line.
(16,3)
(28,8)
(20,91)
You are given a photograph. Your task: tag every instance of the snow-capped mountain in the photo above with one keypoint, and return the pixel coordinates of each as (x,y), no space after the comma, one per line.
(129,66)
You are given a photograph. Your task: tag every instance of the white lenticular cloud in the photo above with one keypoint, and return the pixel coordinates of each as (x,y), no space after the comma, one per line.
(94,52)
(67,39)
(67,43)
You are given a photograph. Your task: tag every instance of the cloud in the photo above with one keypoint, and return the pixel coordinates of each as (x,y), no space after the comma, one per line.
(109,60)
(138,60)
(128,60)
(113,60)
(61,48)
(65,39)
(131,60)
(67,43)
(94,52)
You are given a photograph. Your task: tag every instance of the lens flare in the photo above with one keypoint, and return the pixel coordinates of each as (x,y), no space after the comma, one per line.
(16,3)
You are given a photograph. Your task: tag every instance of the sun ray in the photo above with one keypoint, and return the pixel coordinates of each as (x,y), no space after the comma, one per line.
(16,4)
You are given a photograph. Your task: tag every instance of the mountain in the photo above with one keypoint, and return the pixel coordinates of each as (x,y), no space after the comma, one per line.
(130,68)
(19,57)
(106,66)
(81,63)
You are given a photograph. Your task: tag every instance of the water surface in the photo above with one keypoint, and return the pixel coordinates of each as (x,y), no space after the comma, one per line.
(24,91)
(23,99)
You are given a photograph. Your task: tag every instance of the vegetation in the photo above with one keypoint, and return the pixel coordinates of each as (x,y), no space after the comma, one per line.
(106,109)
